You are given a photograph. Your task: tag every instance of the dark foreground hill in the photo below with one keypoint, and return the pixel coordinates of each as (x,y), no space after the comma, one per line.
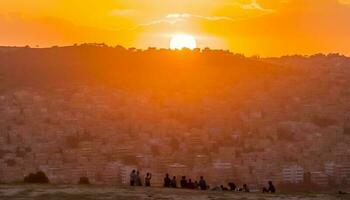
(99,192)
(129,68)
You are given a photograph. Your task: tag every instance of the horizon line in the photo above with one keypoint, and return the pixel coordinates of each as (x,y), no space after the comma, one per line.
(96,44)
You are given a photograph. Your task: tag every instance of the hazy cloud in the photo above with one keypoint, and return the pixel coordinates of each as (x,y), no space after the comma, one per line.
(174,18)
(122,12)
(253,5)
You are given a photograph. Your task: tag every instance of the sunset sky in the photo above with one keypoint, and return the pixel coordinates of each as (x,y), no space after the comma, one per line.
(252,27)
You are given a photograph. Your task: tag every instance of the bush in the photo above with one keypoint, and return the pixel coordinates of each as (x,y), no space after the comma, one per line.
(84,180)
(39,177)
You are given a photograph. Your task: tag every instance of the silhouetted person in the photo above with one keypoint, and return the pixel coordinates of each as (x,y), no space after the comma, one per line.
(264,190)
(245,188)
(148,179)
(183,182)
(167,181)
(272,188)
(190,184)
(223,188)
(138,181)
(202,183)
(232,186)
(132,177)
(341,192)
(174,182)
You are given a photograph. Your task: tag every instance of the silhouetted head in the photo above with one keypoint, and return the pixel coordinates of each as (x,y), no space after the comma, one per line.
(147,174)
(270,182)
(166,175)
(133,171)
(174,177)
(244,185)
(189,180)
(201,177)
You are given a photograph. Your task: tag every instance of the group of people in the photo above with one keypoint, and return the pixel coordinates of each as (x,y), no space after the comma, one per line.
(135,180)
(184,183)
(232,187)
(270,189)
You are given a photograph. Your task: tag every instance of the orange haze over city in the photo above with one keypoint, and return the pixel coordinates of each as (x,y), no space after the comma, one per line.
(250,96)
(250,27)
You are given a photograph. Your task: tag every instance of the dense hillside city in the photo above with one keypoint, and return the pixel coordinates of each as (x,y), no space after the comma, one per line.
(99,112)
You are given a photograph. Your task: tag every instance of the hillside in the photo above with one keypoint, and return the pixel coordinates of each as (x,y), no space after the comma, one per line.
(99,111)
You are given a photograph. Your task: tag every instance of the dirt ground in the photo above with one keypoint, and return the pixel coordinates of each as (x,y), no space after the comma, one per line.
(75,192)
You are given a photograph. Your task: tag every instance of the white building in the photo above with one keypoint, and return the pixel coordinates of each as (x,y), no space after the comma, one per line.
(342,172)
(319,178)
(222,173)
(178,170)
(293,174)
(329,168)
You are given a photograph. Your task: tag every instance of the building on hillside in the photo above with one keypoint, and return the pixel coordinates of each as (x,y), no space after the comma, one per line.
(319,178)
(342,173)
(329,168)
(293,174)
(222,173)
(178,170)
(111,173)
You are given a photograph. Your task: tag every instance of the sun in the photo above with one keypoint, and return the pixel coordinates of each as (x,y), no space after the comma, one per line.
(181,41)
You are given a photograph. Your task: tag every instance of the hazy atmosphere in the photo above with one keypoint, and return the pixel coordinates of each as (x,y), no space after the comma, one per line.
(165,99)
(251,27)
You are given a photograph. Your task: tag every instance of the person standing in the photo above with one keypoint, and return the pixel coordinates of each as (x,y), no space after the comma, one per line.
(148,179)
(202,183)
(190,184)
(132,178)
(167,181)
(174,182)
(138,181)
(183,182)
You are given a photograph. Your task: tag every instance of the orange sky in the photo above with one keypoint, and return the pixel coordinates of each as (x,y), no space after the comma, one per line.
(252,27)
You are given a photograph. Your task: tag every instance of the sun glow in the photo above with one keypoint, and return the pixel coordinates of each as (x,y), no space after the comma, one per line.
(181,41)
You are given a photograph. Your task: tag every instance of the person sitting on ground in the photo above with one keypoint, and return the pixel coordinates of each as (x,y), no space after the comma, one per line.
(132,177)
(245,188)
(272,188)
(148,179)
(223,188)
(232,186)
(196,185)
(174,182)
(202,183)
(264,190)
(138,181)
(216,188)
(190,184)
(167,181)
(183,182)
